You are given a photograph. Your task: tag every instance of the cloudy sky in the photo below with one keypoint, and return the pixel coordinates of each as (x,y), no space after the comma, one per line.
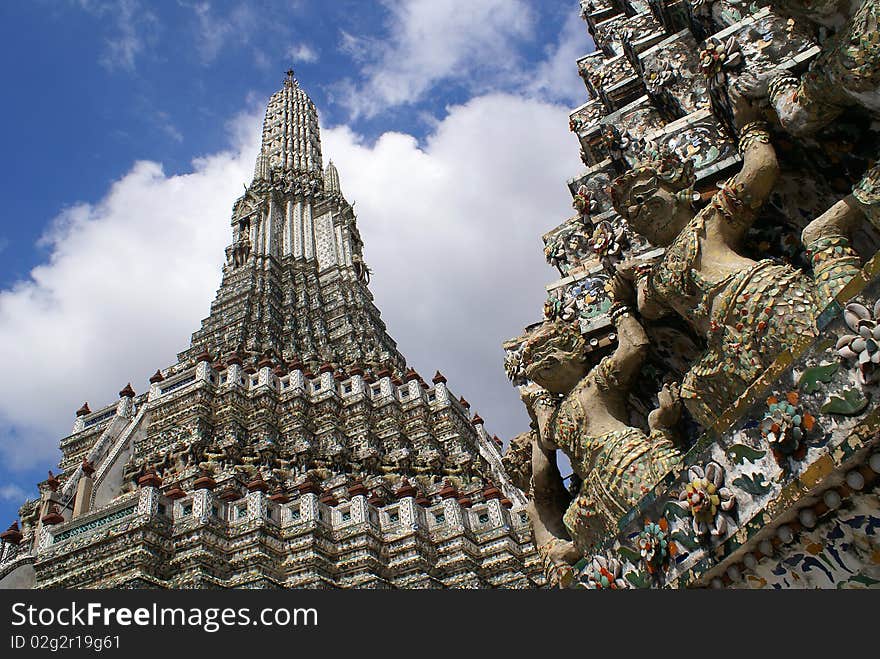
(131,126)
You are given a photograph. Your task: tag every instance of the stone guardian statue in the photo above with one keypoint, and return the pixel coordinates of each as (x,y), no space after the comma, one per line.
(748,312)
(581,408)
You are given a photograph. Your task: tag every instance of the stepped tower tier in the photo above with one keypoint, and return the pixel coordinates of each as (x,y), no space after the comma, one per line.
(290,445)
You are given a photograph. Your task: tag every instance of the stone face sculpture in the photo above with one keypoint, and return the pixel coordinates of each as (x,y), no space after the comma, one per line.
(747,311)
(581,409)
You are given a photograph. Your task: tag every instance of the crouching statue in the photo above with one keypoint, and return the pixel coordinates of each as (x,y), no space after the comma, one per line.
(747,311)
(581,409)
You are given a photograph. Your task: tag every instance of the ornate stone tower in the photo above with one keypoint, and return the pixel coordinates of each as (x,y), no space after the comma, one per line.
(295,283)
(289,446)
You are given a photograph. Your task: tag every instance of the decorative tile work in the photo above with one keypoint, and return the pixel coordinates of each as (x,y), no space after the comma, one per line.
(841,552)
(94,524)
(809,421)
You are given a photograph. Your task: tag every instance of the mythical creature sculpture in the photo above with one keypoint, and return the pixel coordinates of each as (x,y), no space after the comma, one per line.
(213,460)
(250,462)
(581,409)
(428,461)
(846,74)
(361,269)
(747,311)
(397,461)
(238,253)
(517,460)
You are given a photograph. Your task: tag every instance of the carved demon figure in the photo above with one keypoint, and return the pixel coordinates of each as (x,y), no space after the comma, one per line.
(580,408)
(747,311)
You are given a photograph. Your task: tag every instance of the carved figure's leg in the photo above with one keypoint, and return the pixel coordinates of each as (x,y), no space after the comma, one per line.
(826,238)
(762,311)
(867,193)
(557,558)
(806,105)
(853,60)
(584,521)
(834,264)
(664,454)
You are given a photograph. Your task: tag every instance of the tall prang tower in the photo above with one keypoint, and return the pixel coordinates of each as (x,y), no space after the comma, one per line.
(290,445)
(295,283)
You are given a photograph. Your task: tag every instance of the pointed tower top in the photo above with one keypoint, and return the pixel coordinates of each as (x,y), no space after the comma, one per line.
(331,179)
(291,137)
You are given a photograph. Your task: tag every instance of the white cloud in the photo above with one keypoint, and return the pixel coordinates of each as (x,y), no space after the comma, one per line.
(430,41)
(16,494)
(12,493)
(163,121)
(135,26)
(217,32)
(302,53)
(264,29)
(452,232)
(261,59)
(128,279)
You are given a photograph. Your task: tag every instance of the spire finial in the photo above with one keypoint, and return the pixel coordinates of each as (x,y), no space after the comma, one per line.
(290,80)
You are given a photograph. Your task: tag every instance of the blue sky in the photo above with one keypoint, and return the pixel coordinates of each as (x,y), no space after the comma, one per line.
(130,126)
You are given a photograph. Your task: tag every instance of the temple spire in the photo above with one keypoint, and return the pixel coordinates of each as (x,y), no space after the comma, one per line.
(331,179)
(291,142)
(295,273)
